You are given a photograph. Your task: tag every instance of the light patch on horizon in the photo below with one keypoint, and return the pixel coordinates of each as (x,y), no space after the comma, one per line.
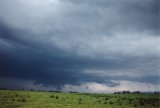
(104,88)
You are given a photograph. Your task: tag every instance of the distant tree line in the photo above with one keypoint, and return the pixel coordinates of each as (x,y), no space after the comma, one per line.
(136,92)
(58,91)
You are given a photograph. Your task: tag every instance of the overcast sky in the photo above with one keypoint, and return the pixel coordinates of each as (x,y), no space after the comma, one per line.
(80,45)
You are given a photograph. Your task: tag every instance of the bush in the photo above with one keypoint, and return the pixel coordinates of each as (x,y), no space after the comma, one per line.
(130,101)
(80,102)
(142,103)
(57,97)
(135,103)
(28,96)
(52,96)
(23,100)
(98,101)
(105,102)
(106,98)
(110,102)
(17,95)
(80,99)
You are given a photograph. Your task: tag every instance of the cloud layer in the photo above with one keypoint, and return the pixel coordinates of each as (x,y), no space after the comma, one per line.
(68,42)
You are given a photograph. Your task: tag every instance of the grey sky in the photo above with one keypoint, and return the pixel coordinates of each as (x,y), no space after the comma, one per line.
(63,43)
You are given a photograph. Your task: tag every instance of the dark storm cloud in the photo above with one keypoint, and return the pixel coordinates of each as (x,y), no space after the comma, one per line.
(76,42)
(36,62)
(136,15)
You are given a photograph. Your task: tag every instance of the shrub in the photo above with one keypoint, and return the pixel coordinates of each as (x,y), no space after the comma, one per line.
(52,96)
(23,100)
(135,103)
(16,95)
(98,101)
(105,102)
(106,98)
(141,103)
(120,104)
(110,102)
(130,101)
(80,99)
(80,102)
(57,97)
(28,96)
(18,99)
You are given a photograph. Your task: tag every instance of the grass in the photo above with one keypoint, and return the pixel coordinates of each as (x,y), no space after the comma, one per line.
(32,99)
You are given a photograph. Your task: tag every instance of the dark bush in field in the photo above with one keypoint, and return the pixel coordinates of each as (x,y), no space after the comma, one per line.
(110,102)
(19,100)
(142,102)
(80,99)
(52,96)
(105,102)
(57,97)
(135,103)
(106,98)
(28,96)
(23,100)
(130,101)
(79,102)
(16,95)
(120,104)
(98,101)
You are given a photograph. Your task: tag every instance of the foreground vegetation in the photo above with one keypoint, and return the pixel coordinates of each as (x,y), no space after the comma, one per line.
(32,99)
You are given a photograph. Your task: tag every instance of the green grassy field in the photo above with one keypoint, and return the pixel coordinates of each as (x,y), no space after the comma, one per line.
(32,99)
